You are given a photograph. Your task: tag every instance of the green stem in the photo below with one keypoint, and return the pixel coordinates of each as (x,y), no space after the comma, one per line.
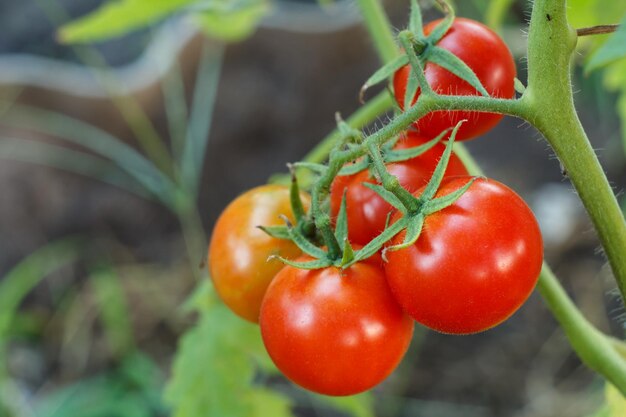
(378,26)
(550,105)
(593,348)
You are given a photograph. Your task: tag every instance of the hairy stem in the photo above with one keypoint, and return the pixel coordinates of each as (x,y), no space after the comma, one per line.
(549,101)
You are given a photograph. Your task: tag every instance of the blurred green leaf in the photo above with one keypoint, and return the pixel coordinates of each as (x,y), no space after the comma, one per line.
(584,13)
(197,138)
(214,370)
(114,313)
(612,50)
(225,19)
(23,277)
(615,400)
(231,20)
(131,390)
(98,141)
(116,18)
(80,163)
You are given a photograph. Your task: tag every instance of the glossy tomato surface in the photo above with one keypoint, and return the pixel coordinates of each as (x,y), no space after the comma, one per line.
(239,251)
(366,210)
(474,264)
(334,332)
(490,59)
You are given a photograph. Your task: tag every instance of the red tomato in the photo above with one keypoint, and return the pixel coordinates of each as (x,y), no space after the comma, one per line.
(367,211)
(238,251)
(333,331)
(474,264)
(490,59)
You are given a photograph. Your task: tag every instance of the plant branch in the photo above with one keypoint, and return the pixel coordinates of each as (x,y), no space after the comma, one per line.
(597,30)
(550,107)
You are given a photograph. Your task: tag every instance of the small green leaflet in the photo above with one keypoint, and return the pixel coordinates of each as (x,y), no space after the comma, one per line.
(612,50)
(386,71)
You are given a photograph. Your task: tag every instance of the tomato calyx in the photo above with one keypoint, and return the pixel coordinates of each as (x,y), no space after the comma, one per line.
(419,49)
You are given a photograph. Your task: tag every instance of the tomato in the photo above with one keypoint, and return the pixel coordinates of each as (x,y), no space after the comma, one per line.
(239,251)
(490,59)
(333,331)
(366,210)
(475,262)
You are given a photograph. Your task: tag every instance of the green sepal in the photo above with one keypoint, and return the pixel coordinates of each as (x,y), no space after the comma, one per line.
(294,196)
(317,168)
(379,241)
(384,73)
(435,180)
(406,154)
(355,168)
(348,253)
(314,264)
(456,66)
(341,227)
(386,195)
(413,231)
(440,203)
(416,25)
(302,242)
(442,28)
(278,232)
(412,85)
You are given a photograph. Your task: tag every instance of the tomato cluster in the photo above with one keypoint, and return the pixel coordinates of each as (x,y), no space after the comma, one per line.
(342,328)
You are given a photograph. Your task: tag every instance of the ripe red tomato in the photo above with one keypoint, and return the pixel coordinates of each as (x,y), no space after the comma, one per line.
(238,251)
(490,59)
(333,331)
(367,211)
(474,264)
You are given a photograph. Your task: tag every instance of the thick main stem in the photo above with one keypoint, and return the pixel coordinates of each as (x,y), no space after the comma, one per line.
(551,109)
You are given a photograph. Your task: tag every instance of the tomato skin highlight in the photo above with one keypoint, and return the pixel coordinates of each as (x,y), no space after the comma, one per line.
(239,250)
(490,59)
(367,211)
(334,332)
(475,263)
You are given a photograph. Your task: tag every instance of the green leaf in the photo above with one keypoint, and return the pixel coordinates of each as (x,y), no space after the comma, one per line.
(196,141)
(231,20)
(440,203)
(59,157)
(24,276)
(98,141)
(214,370)
(131,390)
(315,264)
(442,28)
(116,18)
(437,177)
(455,65)
(612,50)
